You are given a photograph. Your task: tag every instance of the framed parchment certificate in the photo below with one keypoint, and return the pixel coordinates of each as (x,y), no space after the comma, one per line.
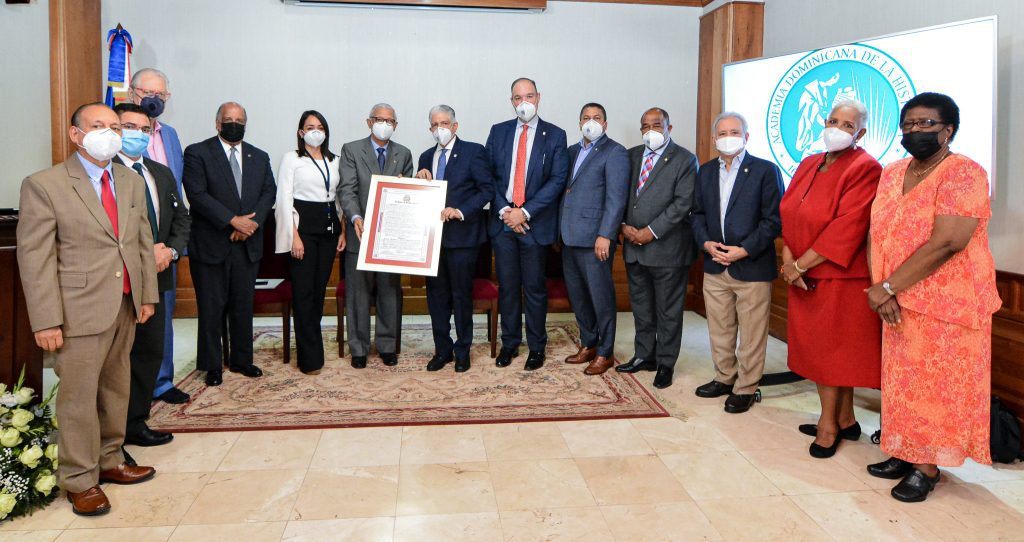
(402,230)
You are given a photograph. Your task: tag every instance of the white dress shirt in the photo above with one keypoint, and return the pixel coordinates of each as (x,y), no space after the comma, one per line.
(299,179)
(726,182)
(150,183)
(530,135)
(227,151)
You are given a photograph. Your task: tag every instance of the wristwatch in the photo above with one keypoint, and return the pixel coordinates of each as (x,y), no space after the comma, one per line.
(888,288)
(175,256)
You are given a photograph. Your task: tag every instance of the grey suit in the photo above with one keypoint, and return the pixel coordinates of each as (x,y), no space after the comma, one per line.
(358,164)
(657,271)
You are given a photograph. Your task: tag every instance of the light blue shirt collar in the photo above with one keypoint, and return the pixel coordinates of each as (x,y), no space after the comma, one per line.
(376,146)
(659,152)
(95,174)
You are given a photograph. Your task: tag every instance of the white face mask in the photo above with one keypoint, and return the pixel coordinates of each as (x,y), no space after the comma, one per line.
(383,131)
(101,144)
(730,145)
(442,135)
(314,138)
(654,139)
(592,130)
(836,139)
(526,111)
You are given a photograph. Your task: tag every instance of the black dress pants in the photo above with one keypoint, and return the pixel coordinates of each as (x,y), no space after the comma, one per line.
(309,283)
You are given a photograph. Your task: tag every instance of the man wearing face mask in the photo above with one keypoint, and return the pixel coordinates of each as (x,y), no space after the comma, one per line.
(658,245)
(591,211)
(170,224)
(360,160)
(231,190)
(465,167)
(736,221)
(529,166)
(85,251)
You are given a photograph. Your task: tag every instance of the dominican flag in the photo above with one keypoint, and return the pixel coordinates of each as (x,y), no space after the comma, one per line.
(119,67)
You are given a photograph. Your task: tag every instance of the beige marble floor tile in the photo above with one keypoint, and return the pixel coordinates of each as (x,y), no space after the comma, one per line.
(563,524)
(668,522)
(675,436)
(718,475)
(188,452)
(117,534)
(272,450)
(347,492)
(522,441)
(975,473)
(484,527)
(164,500)
(795,472)
(964,512)
(446,488)
(637,479)
(358,447)
(754,430)
(56,516)
(545,483)
(762,518)
(350,530)
(603,438)
(33,536)
(442,444)
(1011,493)
(249,532)
(246,496)
(855,458)
(860,515)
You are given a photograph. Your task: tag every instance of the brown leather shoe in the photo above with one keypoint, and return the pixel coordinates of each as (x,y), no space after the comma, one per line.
(600,365)
(585,355)
(125,474)
(91,502)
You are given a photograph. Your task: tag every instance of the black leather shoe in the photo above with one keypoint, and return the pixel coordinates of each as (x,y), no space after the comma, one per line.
(461,365)
(250,371)
(174,396)
(148,437)
(437,363)
(214,378)
(821,452)
(128,459)
(636,365)
(504,358)
(390,359)
(359,362)
(534,361)
(848,433)
(893,468)
(915,486)
(738,404)
(714,389)
(663,379)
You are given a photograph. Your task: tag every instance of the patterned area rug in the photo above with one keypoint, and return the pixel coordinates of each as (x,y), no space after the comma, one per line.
(406,394)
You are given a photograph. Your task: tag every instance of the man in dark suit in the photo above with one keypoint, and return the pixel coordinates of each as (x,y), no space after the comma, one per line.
(591,213)
(464,166)
(360,160)
(736,220)
(529,167)
(170,223)
(658,245)
(231,189)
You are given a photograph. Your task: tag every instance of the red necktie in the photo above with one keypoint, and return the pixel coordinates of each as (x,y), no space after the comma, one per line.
(110,206)
(519,182)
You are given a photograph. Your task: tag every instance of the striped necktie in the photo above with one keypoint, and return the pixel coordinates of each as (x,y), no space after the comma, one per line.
(645,172)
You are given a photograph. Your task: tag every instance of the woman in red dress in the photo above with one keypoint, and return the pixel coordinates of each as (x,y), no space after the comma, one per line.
(835,339)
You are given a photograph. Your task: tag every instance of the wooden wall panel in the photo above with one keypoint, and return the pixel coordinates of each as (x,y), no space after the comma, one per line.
(76,73)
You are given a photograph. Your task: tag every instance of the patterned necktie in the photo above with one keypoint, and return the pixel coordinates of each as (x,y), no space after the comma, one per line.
(380,159)
(645,172)
(110,206)
(441,164)
(519,181)
(150,208)
(236,170)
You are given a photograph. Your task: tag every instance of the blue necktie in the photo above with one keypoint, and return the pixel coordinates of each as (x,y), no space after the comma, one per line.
(150,208)
(380,159)
(441,163)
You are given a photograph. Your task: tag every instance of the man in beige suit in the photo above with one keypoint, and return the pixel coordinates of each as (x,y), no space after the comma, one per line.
(85,250)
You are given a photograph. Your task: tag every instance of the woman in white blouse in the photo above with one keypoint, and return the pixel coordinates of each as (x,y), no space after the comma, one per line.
(308,227)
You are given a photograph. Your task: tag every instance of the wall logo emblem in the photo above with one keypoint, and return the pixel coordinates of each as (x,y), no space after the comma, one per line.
(803,98)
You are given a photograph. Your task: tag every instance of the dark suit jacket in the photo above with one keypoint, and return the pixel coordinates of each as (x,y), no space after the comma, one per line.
(751,218)
(596,197)
(546,175)
(358,164)
(665,204)
(214,200)
(175,222)
(468,173)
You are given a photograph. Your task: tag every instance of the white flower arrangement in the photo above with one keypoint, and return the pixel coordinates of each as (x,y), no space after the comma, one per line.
(28,451)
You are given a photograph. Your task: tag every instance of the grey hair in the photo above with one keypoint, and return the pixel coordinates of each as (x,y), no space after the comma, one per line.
(227,104)
(862,111)
(149,71)
(441,109)
(728,115)
(383,105)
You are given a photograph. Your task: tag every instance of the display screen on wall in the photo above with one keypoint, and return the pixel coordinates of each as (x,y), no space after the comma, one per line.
(786,99)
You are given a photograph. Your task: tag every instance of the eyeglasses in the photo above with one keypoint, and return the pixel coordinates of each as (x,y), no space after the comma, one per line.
(144,129)
(390,122)
(920,123)
(144,93)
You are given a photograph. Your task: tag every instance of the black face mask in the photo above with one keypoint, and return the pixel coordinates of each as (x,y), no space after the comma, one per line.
(921,145)
(232,132)
(154,106)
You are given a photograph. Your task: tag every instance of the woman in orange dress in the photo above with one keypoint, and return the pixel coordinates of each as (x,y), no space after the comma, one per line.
(935,289)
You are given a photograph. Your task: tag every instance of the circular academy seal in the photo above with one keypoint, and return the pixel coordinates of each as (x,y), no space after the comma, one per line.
(804,96)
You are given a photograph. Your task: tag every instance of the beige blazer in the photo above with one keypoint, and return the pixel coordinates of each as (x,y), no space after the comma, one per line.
(70,261)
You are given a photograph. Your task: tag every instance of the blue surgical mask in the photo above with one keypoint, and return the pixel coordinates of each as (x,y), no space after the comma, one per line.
(134,142)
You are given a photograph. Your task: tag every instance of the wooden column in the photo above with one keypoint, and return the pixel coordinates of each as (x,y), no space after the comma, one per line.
(76,58)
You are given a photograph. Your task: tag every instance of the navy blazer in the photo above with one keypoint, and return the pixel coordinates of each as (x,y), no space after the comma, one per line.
(468,173)
(546,176)
(596,196)
(214,200)
(751,217)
